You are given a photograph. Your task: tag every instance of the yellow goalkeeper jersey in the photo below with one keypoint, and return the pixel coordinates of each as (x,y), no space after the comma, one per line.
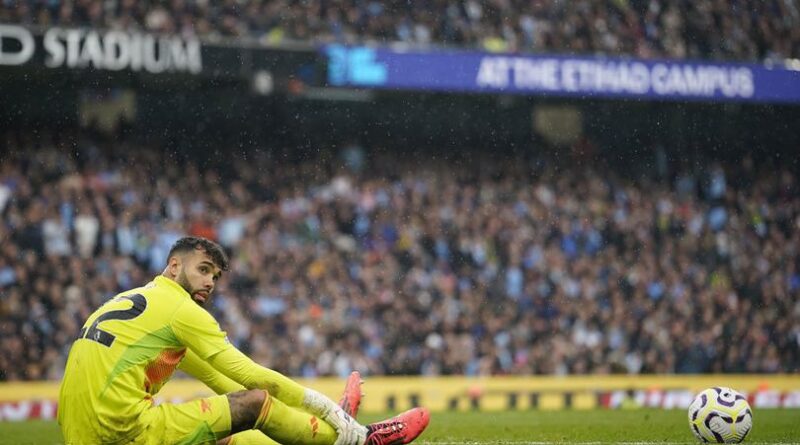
(125,352)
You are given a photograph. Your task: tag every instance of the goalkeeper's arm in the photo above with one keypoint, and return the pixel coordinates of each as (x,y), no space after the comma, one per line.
(241,368)
(198,368)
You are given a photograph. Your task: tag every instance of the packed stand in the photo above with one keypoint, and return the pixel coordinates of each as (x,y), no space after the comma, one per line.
(706,29)
(391,265)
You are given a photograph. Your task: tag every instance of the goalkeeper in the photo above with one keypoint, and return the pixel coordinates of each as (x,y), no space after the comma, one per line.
(129,348)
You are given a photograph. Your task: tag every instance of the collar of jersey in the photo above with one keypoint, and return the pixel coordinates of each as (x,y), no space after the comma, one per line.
(164,281)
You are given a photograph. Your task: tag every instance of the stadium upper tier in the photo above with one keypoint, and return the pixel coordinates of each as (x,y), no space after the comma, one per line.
(392,264)
(747,30)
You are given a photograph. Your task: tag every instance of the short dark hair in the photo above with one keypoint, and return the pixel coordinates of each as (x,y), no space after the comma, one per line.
(191,243)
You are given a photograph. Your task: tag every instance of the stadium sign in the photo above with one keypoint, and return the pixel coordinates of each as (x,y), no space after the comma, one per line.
(584,77)
(30,400)
(506,401)
(110,50)
(628,77)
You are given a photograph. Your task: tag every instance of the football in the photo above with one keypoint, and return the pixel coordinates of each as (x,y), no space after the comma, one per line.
(720,415)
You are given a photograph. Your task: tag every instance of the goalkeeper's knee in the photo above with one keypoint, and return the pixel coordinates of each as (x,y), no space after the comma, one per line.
(249,409)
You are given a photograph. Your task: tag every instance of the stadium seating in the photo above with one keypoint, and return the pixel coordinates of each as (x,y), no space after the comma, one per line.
(498,267)
(707,29)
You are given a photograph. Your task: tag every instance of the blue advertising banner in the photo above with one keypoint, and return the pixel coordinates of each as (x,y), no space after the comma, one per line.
(588,77)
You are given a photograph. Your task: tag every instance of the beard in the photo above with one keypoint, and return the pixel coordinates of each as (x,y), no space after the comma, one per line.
(183,281)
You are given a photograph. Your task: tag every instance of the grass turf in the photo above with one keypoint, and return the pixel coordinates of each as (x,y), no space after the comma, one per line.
(526,427)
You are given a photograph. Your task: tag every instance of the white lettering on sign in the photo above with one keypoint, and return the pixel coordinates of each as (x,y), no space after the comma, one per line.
(618,77)
(15,412)
(535,74)
(23,39)
(493,72)
(116,50)
(688,80)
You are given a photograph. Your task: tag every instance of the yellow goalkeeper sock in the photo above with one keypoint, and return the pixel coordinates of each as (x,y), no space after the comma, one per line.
(291,426)
(251,437)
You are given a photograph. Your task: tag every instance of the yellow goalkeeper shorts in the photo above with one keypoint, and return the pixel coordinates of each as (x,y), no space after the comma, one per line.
(202,421)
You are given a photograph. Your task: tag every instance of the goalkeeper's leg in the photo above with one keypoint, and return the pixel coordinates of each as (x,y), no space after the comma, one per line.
(350,402)
(257,410)
(288,426)
(249,437)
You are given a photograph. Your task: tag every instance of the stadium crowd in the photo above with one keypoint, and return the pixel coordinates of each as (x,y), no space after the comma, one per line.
(707,29)
(391,265)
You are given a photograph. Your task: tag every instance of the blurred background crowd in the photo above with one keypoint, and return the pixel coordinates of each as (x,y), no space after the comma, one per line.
(480,260)
(707,29)
(352,258)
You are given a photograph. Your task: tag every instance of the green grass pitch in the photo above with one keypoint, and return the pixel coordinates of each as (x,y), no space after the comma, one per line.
(528,428)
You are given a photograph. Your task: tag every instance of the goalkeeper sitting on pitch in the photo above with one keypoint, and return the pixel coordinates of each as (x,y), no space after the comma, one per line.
(129,348)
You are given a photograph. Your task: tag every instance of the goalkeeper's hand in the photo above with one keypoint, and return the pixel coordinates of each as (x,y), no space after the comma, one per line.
(349,431)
